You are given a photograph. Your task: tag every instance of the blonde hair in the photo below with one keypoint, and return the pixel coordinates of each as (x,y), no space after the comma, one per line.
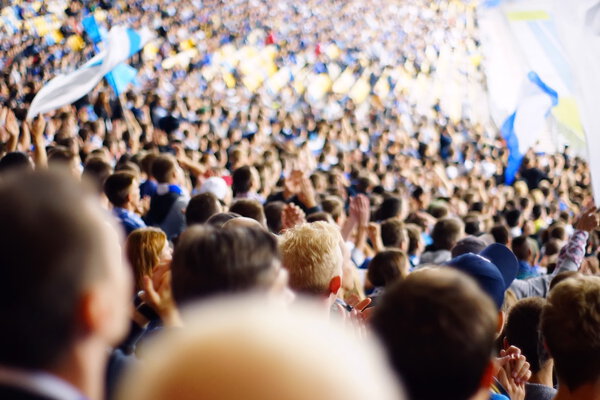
(143,249)
(312,255)
(570,324)
(521,189)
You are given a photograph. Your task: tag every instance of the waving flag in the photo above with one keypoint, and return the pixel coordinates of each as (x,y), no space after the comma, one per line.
(578,23)
(121,43)
(522,129)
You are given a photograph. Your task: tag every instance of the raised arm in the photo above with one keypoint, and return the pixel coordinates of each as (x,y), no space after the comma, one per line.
(572,254)
(40,157)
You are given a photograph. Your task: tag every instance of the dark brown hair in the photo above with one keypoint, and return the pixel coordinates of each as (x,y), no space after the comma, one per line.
(118,186)
(209,261)
(50,253)
(437,326)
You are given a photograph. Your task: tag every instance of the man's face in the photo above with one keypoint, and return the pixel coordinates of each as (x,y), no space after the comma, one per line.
(134,194)
(115,287)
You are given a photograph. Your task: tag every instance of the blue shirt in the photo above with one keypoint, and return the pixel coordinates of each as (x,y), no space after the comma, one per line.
(526,271)
(130,220)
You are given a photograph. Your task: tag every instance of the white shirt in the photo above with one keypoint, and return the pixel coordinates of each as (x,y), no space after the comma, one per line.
(39,382)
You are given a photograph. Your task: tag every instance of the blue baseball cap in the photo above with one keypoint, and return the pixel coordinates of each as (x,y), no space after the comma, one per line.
(494,269)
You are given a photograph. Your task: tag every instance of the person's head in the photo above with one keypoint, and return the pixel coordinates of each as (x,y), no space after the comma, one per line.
(513,218)
(146,164)
(64,158)
(201,207)
(520,246)
(469,244)
(250,209)
(552,248)
(234,348)
(146,248)
(218,220)
(494,269)
(15,161)
(208,261)
(391,207)
(561,276)
(320,216)
(387,267)
(446,232)
(570,324)
(334,206)
(243,222)
(164,168)
(558,231)
(312,254)
(472,225)
(501,234)
(416,244)
(273,212)
(96,170)
(439,210)
(242,180)
(64,288)
(121,189)
(393,234)
(438,327)
(522,330)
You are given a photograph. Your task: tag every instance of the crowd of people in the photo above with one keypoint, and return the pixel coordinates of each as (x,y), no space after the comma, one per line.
(286,205)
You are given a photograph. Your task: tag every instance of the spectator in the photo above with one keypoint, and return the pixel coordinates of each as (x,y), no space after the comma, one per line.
(167,207)
(501,234)
(65,291)
(248,341)
(146,249)
(273,212)
(446,233)
(570,322)
(522,249)
(415,244)
(393,234)
(201,207)
(514,221)
(249,209)
(386,268)
(439,345)
(209,262)
(121,189)
(312,254)
(522,330)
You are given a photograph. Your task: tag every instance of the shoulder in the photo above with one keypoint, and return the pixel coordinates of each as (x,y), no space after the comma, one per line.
(14,393)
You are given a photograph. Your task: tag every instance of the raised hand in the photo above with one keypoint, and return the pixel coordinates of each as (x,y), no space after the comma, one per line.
(37,129)
(587,220)
(307,193)
(12,125)
(291,215)
(360,210)
(158,294)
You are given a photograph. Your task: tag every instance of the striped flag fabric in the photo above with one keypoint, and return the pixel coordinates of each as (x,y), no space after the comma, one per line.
(523,127)
(121,43)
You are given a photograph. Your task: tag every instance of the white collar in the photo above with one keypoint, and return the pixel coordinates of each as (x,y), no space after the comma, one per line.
(39,382)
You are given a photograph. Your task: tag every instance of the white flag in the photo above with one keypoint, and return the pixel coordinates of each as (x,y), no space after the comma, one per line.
(578,22)
(121,44)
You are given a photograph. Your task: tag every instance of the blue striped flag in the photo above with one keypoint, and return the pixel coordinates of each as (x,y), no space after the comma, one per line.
(523,127)
(121,43)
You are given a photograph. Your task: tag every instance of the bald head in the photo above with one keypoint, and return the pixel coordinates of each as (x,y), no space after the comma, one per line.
(246,348)
(243,222)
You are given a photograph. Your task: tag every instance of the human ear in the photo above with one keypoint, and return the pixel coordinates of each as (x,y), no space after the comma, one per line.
(335,284)
(500,323)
